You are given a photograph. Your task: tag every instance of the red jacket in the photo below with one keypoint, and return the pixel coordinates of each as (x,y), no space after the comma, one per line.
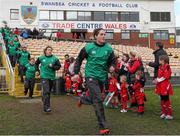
(118,66)
(58,35)
(124,91)
(75,36)
(68,83)
(66,64)
(164,87)
(136,63)
(77,85)
(16,32)
(112,85)
(137,89)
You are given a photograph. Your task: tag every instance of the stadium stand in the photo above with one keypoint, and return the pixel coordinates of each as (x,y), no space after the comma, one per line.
(36,46)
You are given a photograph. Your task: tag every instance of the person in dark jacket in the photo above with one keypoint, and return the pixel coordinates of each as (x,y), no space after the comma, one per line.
(159,51)
(49,64)
(35,33)
(100,59)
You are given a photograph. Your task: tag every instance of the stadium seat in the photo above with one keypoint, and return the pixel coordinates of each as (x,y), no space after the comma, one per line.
(36,46)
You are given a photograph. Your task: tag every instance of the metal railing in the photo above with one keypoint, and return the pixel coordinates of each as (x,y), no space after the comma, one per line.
(7,71)
(3,84)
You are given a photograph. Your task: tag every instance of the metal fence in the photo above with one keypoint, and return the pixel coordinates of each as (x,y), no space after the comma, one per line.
(3,84)
(7,77)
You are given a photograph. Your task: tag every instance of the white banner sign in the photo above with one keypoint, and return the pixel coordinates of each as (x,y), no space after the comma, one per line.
(90,26)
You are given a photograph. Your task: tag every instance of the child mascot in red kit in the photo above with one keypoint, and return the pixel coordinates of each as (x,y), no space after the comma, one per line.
(113,88)
(138,92)
(124,93)
(163,87)
(77,86)
(68,83)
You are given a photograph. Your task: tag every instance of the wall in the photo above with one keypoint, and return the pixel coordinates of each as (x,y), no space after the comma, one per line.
(144,25)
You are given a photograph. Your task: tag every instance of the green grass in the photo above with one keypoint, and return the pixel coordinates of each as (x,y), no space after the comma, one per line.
(27,118)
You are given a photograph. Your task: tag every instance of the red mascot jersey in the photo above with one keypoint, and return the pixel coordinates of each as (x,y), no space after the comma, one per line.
(137,89)
(112,86)
(66,64)
(124,91)
(136,64)
(164,87)
(68,83)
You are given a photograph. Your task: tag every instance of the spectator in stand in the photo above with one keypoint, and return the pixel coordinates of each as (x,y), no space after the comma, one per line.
(41,34)
(24,34)
(30,33)
(35,32)
(58,35)
(75,36)
(16,31)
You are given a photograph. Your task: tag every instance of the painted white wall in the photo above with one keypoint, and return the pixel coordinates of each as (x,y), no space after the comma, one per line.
(1,13)
(6,5)
(157,6)
(178,36)
(144,7)
(178,39)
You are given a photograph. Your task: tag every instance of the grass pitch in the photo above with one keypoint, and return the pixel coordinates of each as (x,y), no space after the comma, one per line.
(24,116)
